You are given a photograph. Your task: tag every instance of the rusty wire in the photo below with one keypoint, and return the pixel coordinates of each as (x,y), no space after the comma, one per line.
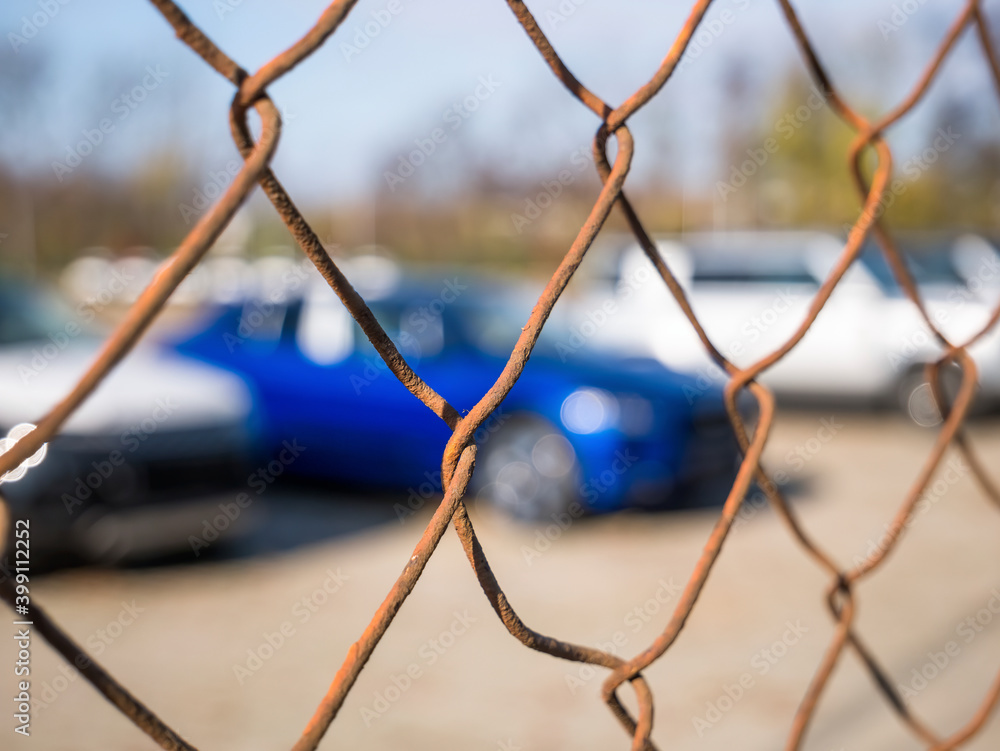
(459,456)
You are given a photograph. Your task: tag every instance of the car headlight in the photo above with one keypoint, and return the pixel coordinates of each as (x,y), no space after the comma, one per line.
(589,410)
(16,434)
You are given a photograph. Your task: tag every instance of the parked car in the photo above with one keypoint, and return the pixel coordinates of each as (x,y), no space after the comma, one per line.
(751,291)
(952,269)
(141,464)
(601,432)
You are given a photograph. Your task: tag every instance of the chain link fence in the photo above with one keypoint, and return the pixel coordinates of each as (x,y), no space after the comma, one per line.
(460,453)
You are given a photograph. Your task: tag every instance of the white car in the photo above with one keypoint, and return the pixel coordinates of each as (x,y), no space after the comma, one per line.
(751,291)
(141,464)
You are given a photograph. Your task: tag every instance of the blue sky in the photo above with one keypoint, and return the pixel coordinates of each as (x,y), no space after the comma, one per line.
(351,115)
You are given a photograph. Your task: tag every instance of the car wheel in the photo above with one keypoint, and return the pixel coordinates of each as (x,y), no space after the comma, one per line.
(916,397)
(526,468)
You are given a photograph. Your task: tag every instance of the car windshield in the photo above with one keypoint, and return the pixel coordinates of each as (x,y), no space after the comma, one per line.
(493,325)
(935,268)
(423,327)
(751,267)
(28,315)
(929,266)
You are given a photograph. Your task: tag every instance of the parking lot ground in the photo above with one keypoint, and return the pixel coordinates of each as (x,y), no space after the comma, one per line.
(235,652)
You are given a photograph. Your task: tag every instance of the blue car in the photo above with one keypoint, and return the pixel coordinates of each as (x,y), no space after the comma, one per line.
(576,433)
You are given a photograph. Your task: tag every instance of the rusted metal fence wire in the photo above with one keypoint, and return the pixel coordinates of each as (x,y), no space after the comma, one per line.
(459,455)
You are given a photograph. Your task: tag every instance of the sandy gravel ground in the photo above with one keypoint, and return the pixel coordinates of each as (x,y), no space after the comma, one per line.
(447,676)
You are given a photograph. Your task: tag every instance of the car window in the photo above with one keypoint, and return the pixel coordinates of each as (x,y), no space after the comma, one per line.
(28,314)
(417,330)
(932,266)
(493,325)
(491,330)
(262,321)
(751,268)
(723,276)
(935,268)
(326,331)
(421,332)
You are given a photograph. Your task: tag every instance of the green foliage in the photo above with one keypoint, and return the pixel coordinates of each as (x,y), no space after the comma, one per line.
(806,179)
